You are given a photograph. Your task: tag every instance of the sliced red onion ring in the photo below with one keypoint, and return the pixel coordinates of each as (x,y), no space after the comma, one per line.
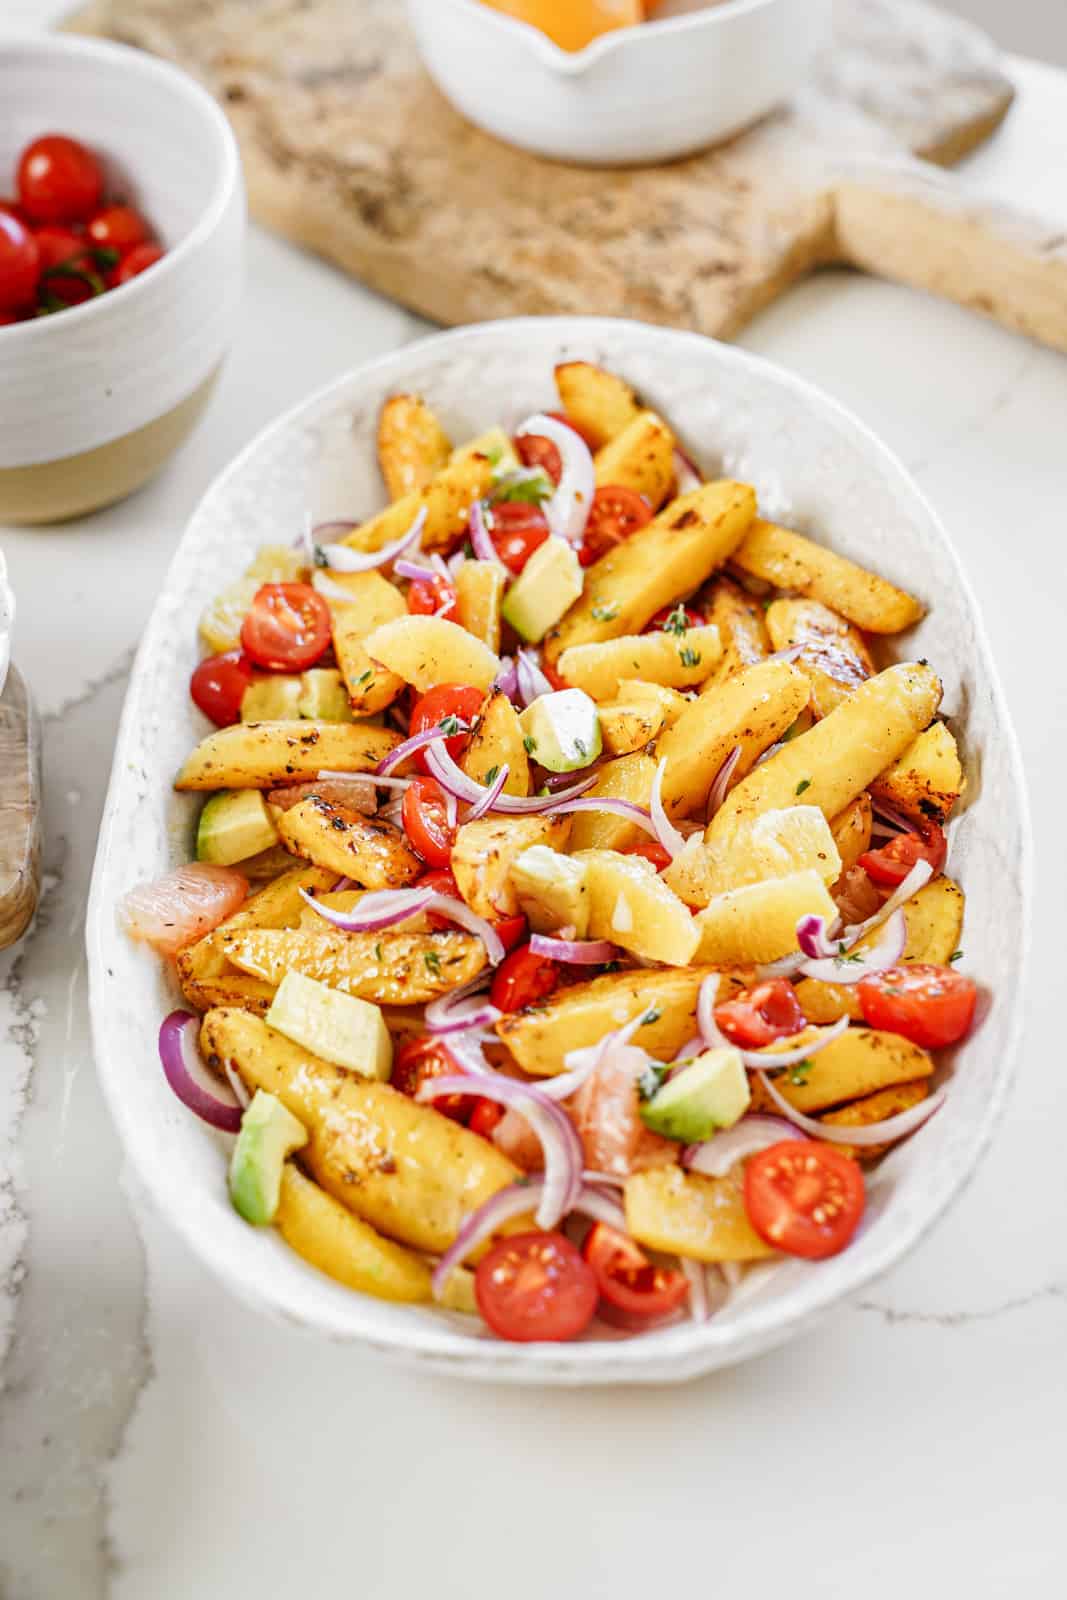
(717,1155)
(567,509)
(305,542)
(452,777)
(667,835)
(583,1062)
(508,1203)
(451,811)
(775,1060)
(708,1028)
(414,571)
(418,741)
(786,967)
(466,1049)
(373,780)
(482,544)
(558,1136)
(330,531)
(466,1008)
(896,819)
(384,907)
(187,1075)
(717,792)
(563,805)
(576,952)
(240,1093)
(885,952)
(699,1303)
(772,750)
(792,653)
(507,679)
(490,797)
(686,473)
(532,682)
(917,879)
(340,558)
(886,1132)
(815,941)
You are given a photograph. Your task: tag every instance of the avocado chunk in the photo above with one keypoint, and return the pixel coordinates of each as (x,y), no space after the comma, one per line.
(562,730)
(269,1135)
(338,1027)
(547,586)
(323,696)
(234,825)
(272,699)
(710,1093)
(551,890)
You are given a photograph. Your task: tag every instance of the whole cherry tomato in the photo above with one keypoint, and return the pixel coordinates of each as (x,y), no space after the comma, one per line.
(117,228)
(20,264)
(218,684)
(59,180)
(136,261)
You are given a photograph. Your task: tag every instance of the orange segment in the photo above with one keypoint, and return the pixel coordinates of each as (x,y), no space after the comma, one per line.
(572,24)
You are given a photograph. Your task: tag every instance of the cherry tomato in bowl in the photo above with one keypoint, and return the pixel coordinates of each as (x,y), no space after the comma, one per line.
(117,228)
(523,978)
(891,863)
(804,1197)
(59,180)
(535,1286)
(628,1281)
(616,513)
(444,700)
(517,529)
(218,684)
(757,1017)
(133,263)
(932,1006)
(425,814)
(287,627)
(20,264)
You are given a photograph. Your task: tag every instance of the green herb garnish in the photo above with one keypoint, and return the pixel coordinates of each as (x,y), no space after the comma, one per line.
(433,962)
(492,775)
(529,744)
(651,1080)
(606,613)
(450,725)
(805,783)
(678,621)
(957,955)
(689,657)
(525,491)
(798,1075)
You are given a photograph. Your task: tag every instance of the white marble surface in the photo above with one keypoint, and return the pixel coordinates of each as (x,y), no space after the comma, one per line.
(157,1441)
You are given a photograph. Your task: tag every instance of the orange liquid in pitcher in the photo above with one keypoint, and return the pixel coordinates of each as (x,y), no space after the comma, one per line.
(572,24)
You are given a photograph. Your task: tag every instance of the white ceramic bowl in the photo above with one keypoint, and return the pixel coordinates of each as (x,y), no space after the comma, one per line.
(96,398)
(814,466)
(645,94)
(7,621)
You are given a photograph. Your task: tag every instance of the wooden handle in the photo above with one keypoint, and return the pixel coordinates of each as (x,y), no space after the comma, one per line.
(20,810)
(915,224)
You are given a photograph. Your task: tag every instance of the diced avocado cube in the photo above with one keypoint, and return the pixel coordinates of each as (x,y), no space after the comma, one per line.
(551,890)
(547,586)
(234,825)
(272,699)
(562,730)
(338,1027)
(323,696)
(269,1135)
(709,1094)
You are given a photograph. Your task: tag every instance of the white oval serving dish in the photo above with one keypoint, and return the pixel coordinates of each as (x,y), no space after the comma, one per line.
(816,467)
(637,95)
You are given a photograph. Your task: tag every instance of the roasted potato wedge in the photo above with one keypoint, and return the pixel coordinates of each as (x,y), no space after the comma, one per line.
(342,1245)
(685,1214)
(391,969)
(927,780)
(790,561)
(412,445)
(629,725)
(835,657)
(484,852)
(497,741)
(875,1108)
(424,651)
(758,923)
(861,1062)
(446,499)
(599,403)
(401,1166)
(480,589)
(851,829)
(371,852)
(640,458)
(677,661)
(625,778)
(634,908)
(261,755)
(739,619)
(375,601)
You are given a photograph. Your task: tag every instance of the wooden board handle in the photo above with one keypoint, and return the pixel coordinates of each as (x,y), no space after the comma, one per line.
(917,225)
(20,810)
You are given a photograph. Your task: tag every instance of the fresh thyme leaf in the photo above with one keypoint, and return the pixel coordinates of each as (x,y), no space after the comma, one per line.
(650,1016)
(378,951)
(581,747)
(689,657)
(492,775)
(365,677)
(433,961)
(798,1075)
(677,622)
(846,960)
(529,744)
(606,613)
(957,955)
(318,556)
(651,1079)
(450,724)
(526,491)
(805,783)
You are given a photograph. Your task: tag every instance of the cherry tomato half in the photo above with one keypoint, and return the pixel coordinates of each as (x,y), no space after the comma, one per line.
(432,597)
(445,700)
(517,529)
(117,228)
(650,851)
(891,864)
(59,247)
(534,450)
(425,1058)
(628,1280)
(522,979)
(804,1198)
(616,513)
(425,814)
(932,1006)
(485,1117)
(133,263)
(669,617)
(20,264)
(535,1286)
(59,180)
(511,930)
(287,627)
(218,684)
(760,1016)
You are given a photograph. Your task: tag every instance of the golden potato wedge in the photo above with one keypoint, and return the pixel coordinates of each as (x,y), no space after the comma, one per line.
(401,1166)
(861,1062)
(629,725)
(551,891)
(835,657)
(261,755)
(625,778)
(371,852)
(599,403)
(832,764)
(425,651)
(875,1108)
(391,969)
(374,601)
(446,499)
(751,709)
(634,908)
(851,829)
(457,1293)
(677,551)
(790,561)
(582,1014)
(412,445)
(480,589)
(676,660)
(739,619)
(758,922)
(671,701)
(689,1215)
(484,852)
(497,741)
(640,458)
(267,865)
(343,1246)
(927,780)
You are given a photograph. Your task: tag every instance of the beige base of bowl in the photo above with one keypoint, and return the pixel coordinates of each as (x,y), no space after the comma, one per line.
(54,491)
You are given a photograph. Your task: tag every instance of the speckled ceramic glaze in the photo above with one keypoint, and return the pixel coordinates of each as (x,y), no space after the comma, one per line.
(815,467)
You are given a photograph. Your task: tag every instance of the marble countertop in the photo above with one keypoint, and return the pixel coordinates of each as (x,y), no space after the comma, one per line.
(157,1440)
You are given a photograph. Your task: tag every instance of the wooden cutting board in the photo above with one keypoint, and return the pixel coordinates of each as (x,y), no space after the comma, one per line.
(351,151)
(20,810)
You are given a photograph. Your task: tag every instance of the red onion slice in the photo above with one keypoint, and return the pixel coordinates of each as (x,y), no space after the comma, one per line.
(716,1156)
(686,473)
(456,1012)
(917,879)
(567,509)
(481,543)
(775,1060)
(490,797)
(507,679)
(184,1070)
(850,969)
(717,792)
(896,819)
(710,1032)
(331,531)
(576,952)
(815,940)
(786,967)
(375,911)
(583,1062)
(667,835)
(886,1132)
(532,682)
(414,571)
(418,741)
(340,558)
(562,806)
(512,1202)
(699,1303)
(792,653)
(452,777)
